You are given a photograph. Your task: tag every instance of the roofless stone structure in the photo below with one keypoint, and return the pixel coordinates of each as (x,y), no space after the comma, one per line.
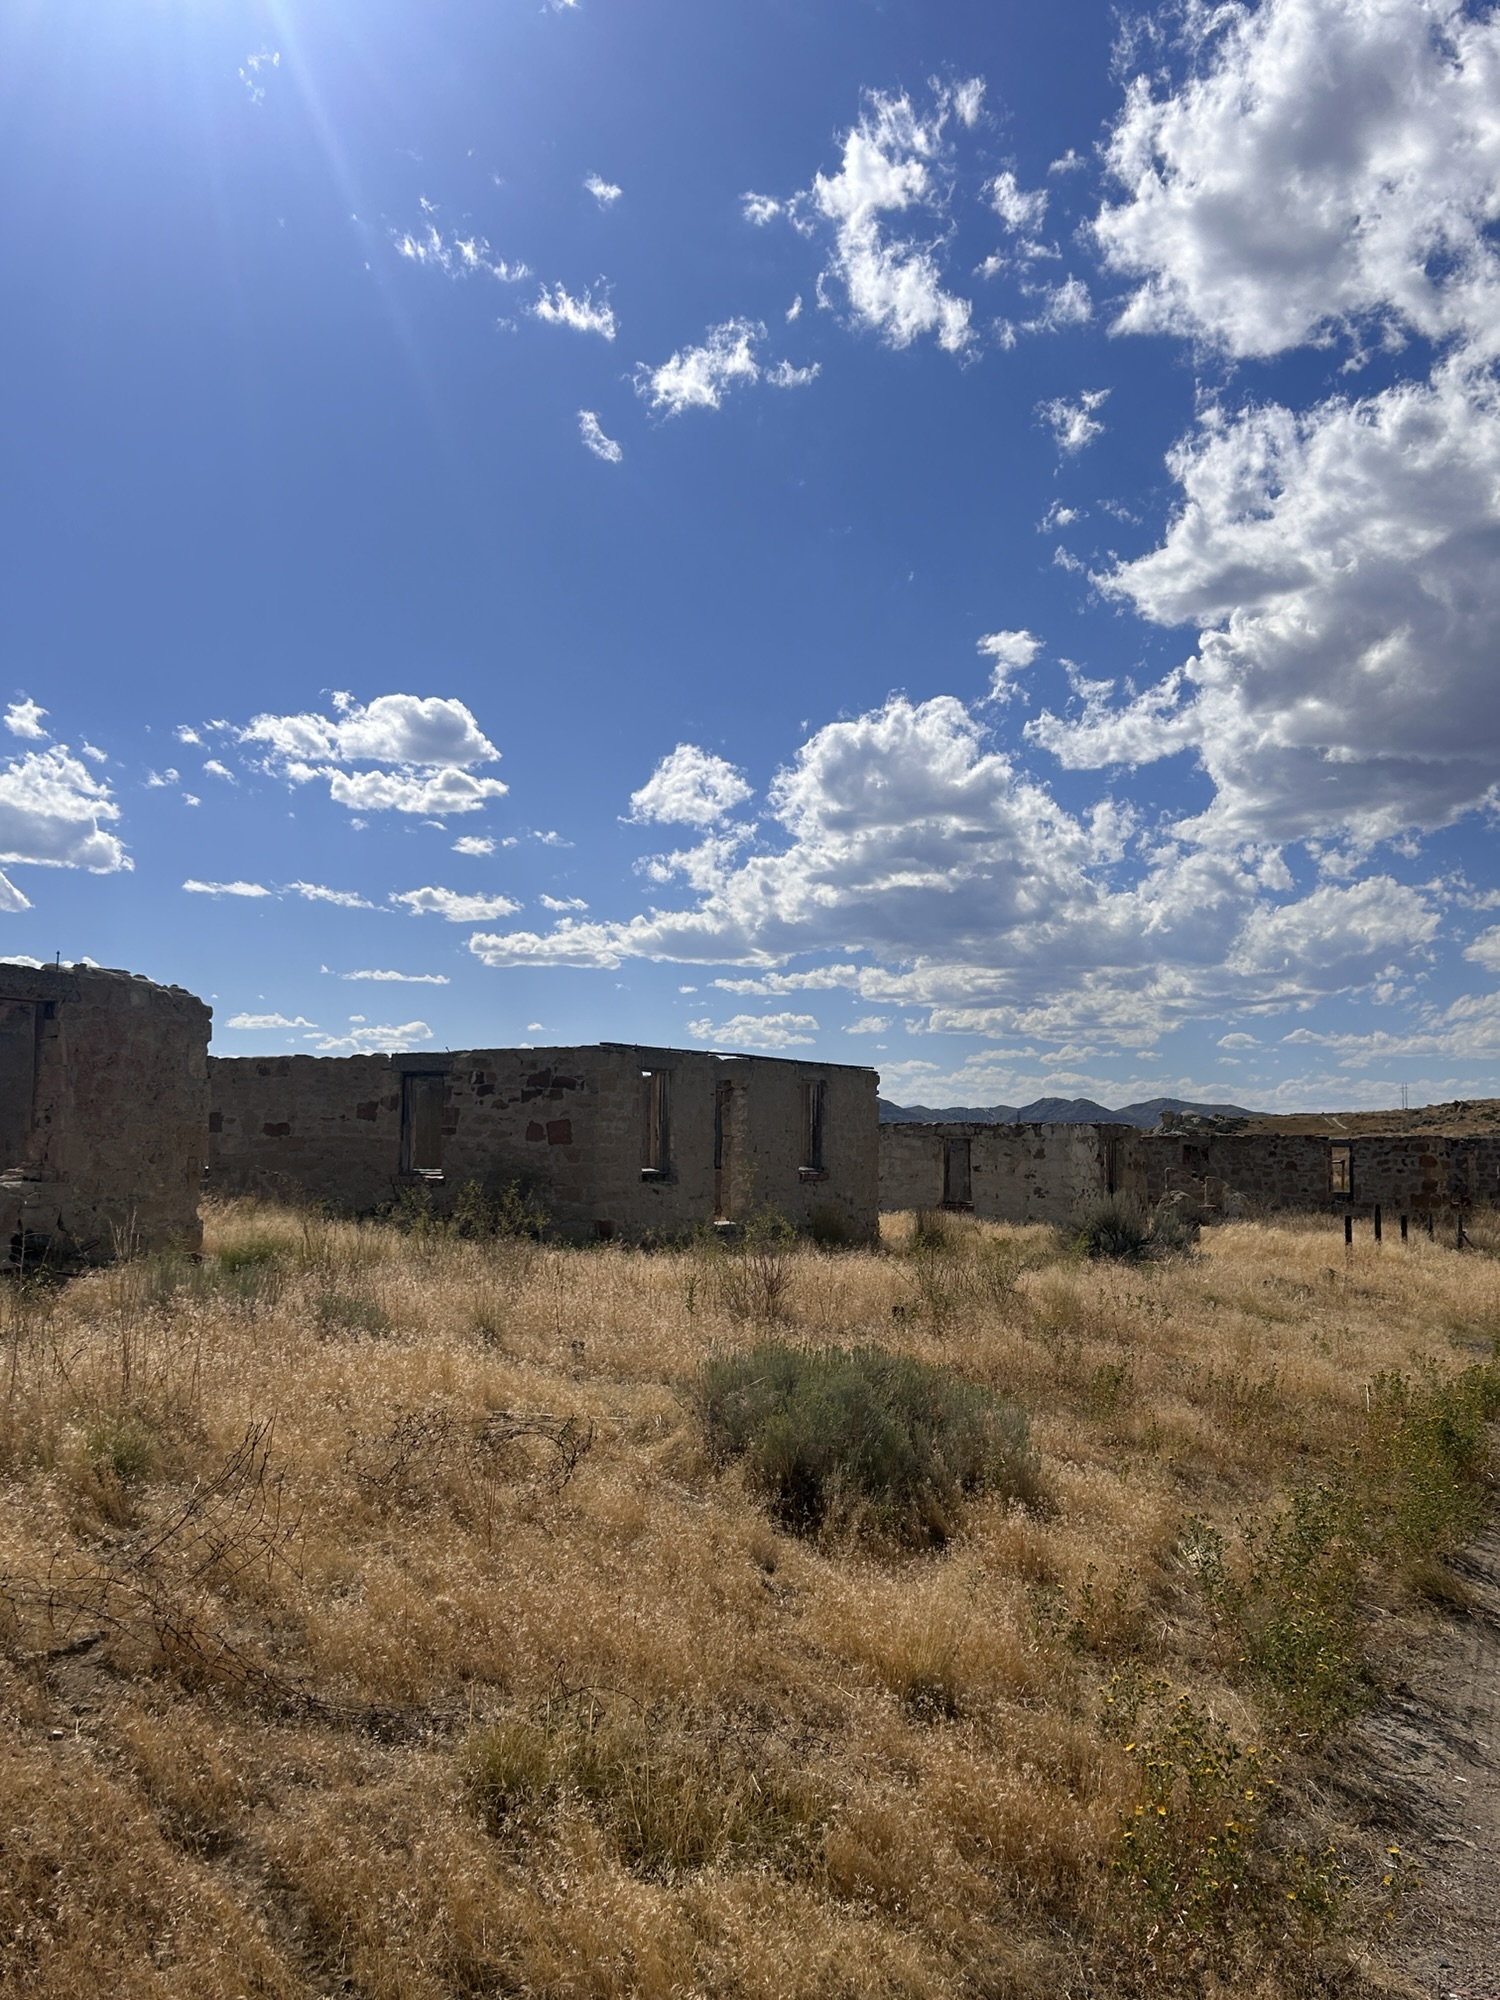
(103,1115)
(618,1139)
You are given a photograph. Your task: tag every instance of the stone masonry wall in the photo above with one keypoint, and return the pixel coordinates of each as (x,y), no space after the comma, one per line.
(1017,1173)
(103,1113)
(573,1122)
(1405,1174)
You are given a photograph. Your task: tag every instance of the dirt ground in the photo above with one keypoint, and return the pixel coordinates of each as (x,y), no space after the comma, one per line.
(1423,1768)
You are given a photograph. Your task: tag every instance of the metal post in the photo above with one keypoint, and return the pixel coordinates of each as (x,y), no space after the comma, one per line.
(1430,1226)
(1403,1229)
(1458,1232)
(1377,1222)
(1348,1229)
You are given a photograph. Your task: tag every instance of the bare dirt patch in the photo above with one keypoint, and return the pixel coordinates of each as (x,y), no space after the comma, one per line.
(1423,1769)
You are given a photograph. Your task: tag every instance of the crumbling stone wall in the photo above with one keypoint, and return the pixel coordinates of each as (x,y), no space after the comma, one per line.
(1007,1173)
(1402,1173)
(103,1114)
(619,1139)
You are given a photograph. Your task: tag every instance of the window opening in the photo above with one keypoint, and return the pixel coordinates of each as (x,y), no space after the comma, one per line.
(656,1135)
(422,1093)
(722,1097)
(18,1033)
(814,1098)
(1341,1170)
(957,1174)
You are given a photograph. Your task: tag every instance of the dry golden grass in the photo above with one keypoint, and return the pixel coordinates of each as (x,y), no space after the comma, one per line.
(372,1619)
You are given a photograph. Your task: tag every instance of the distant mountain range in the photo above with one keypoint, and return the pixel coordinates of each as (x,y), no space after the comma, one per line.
(1055,1111)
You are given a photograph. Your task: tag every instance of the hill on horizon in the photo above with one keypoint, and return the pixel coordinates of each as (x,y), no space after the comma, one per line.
(1055,1111)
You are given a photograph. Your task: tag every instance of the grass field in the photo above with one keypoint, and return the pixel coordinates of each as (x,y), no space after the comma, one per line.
(388,1613)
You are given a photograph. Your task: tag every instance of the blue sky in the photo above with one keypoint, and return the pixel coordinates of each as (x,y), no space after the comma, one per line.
(957,537)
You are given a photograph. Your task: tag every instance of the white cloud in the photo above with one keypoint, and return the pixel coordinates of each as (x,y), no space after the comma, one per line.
(1238,1041)
(698,377)
(1069,163)
(196,888)
(454,905)
(562,902)
(893,161)
(818,979)
(432,794)
(784,376)
(558,307)
(217,770)
(314,892)
(591,947)
(186,734)
(869,1024)
(593,436)
(399,978)
(690,787)
(760,208)
(1017,209)
(1011,652)
(93,752)
(454,256)
(430,743)
(474,843)
(1074,425)
(1485,949)
(1340,568)
(24,718)
(394,728)
(50,813)
(794,310)
(1331,926)
(257,1023)
(606,193)
(1334,162)
(756,1031)
(252,69)
(1465,1031)
(366,1039)
(968,100)
(1067,304)
(938,877)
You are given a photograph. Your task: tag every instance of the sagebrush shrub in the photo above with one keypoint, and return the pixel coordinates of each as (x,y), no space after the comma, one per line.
(861,1436)
(1112,1225)
(1118,1227)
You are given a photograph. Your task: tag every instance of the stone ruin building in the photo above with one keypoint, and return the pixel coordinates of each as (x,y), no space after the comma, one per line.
(111,1109)
(617,1140)
(1421,1174)
(1045,1173)
(1007,1173)
(103,1115)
